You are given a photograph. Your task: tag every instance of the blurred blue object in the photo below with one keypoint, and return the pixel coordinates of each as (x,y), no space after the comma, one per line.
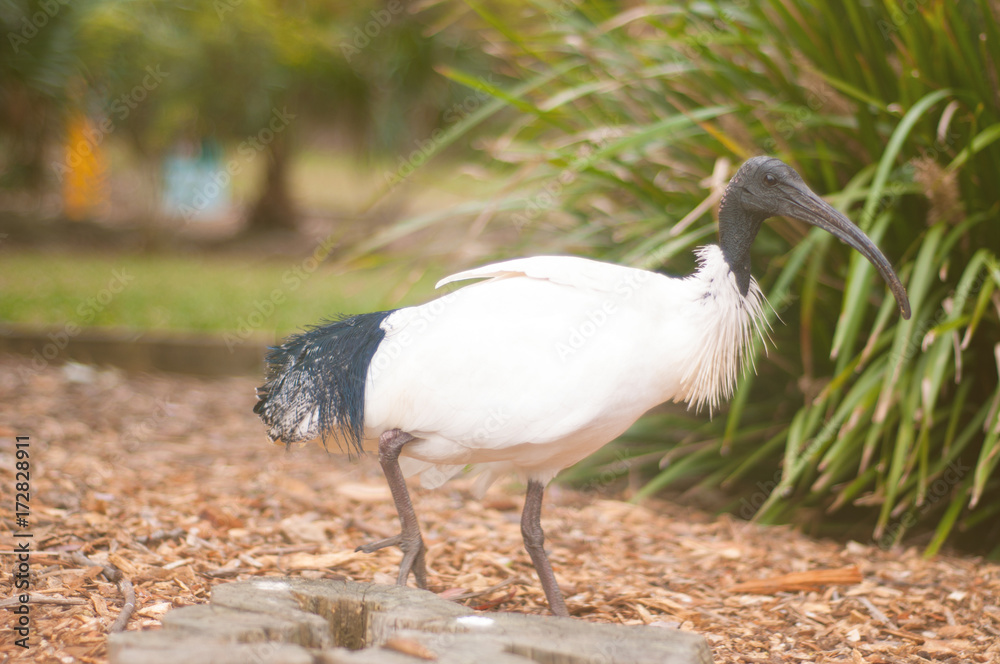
(196,185)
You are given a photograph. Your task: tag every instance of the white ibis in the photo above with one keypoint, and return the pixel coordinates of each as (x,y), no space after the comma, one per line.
(540,364)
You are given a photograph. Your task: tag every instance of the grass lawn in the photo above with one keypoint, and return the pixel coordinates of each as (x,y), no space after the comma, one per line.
(206,294)
(235,293)
(231,293)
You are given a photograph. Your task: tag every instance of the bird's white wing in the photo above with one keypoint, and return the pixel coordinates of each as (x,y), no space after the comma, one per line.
(565,270)
(536,366)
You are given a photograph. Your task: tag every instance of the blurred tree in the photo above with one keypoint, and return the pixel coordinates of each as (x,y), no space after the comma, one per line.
(39,62)
(228,70)
(255,71)
(249,73)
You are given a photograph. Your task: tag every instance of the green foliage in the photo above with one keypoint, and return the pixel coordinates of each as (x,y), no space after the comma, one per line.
(618,120)
(227,65)
(363,68)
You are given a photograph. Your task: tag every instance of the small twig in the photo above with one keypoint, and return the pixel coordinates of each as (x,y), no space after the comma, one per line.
(224,572)
(158,535)
(799,581)
(110,572)
(804,616)
(905,635)
(495,602)
(990,628)
(35,598)
(246,558)
(480,593)
(281,550)
(56,571)
(114,575)
(34,554)
(876,613)
(126,587)
(178,563)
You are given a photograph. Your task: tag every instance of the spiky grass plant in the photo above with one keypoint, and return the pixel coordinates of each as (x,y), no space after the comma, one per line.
(623,127)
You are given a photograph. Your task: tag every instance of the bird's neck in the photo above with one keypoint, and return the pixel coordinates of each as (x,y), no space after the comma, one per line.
(728,322)
(737,230)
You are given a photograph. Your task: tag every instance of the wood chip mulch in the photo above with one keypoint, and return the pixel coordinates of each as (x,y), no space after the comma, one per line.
(170,482)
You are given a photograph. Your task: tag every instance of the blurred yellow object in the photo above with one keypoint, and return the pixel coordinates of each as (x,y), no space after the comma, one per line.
(84,178)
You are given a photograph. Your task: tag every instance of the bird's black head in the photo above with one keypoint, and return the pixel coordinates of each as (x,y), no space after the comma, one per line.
(766,187)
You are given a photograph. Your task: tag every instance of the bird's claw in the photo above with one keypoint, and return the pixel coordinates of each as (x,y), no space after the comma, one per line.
(413,556)
(372,547)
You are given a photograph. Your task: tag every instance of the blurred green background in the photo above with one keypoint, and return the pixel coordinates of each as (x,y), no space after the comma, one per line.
(299,159)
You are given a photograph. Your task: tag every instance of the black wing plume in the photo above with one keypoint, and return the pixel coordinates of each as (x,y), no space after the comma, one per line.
(315,382)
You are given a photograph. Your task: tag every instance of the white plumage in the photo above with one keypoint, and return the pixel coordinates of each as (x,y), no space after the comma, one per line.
(550,358)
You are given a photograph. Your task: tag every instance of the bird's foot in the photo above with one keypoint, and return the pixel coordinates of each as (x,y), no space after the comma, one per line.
(413,556)
(372,547)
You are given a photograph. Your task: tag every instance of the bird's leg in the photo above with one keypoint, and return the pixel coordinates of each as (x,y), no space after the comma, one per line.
(534,542)
(409,540)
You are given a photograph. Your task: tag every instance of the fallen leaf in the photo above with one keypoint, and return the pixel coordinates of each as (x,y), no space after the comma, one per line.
(955,631)
(304,560)
(410,647)
(100,606)
(810,580)
(941,649)
(365,493)
(155,610)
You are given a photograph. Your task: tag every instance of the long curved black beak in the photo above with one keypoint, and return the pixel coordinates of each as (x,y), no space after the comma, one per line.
(810,208)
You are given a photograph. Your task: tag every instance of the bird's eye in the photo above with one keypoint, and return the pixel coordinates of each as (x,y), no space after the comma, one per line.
(770,180)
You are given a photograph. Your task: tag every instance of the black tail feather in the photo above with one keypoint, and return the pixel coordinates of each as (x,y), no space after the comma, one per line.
(315,384)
